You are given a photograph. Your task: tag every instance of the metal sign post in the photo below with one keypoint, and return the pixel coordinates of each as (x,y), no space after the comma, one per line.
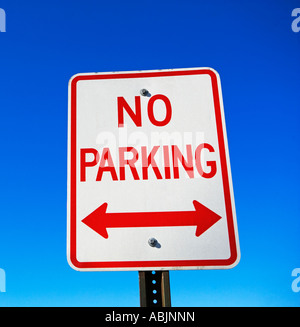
(154,289)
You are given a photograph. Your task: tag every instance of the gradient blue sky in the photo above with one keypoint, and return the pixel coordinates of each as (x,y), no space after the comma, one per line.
(251,45)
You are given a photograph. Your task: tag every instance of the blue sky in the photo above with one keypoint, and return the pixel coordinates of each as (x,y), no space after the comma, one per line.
(251,45)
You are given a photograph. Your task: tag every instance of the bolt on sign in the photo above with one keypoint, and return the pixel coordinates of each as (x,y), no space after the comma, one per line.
(149,181)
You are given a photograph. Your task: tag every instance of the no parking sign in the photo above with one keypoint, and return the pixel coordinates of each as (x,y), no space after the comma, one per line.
(149,181)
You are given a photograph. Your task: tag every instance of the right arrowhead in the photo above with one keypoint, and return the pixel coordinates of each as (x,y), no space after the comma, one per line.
(205,218)
(96,220)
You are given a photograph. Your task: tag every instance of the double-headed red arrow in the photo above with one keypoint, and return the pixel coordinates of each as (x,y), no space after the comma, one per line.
(202,217)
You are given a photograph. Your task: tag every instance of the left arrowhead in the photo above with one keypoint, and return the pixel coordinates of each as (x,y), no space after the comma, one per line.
(97,220)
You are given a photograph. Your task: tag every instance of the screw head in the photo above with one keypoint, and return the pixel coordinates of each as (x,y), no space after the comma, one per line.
(144,92)
(152,242)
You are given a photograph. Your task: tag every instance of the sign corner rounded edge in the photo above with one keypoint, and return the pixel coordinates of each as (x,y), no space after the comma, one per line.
(75,78)
(73,262)
(212,72)
(234,259)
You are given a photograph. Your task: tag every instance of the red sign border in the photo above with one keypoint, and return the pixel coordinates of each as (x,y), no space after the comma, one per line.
(164,264)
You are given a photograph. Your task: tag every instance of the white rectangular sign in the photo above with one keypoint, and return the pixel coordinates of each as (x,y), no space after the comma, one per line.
(149,181)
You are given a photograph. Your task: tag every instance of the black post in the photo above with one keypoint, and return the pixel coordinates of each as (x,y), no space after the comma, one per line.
(154,289)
